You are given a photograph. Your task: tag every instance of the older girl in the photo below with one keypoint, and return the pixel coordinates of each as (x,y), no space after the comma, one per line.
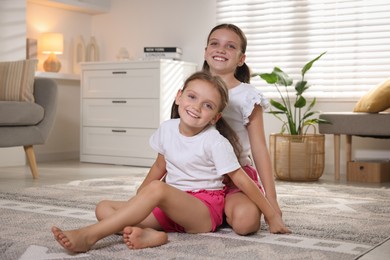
(225,56)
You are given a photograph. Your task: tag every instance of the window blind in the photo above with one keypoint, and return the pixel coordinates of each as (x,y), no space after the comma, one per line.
(354,33)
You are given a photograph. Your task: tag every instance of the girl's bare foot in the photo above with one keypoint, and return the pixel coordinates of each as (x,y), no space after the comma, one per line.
(137,238)
(73,240)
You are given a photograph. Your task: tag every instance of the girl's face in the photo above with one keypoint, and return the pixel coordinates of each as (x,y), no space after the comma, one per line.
(199,105)
(223,52)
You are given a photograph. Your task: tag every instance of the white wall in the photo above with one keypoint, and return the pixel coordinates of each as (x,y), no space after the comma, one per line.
(139,23)
(42,19)
(12,47)
(12,30)
(64,139)
(63,142)
(129,24)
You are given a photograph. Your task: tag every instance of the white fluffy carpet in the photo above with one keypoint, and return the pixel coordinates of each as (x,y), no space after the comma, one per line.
(327,221)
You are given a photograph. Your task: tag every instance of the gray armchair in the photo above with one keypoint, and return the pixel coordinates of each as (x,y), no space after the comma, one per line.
(27,124)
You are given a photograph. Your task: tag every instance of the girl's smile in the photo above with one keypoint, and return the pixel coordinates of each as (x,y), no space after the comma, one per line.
(199,106)
(223,52)
(219,58)
(190,113)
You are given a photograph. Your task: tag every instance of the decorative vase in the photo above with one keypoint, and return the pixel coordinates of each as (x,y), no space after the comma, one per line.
(92,50)
(52,64)
(297,157)
(78,53)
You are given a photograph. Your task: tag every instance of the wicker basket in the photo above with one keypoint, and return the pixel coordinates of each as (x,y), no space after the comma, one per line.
(297,157)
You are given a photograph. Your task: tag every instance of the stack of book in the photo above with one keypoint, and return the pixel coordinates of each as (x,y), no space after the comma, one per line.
(155,53)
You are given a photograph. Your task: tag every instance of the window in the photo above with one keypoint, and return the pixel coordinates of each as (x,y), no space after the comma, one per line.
(287,34)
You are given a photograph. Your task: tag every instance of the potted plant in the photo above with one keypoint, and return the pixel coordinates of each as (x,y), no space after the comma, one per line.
(296,154)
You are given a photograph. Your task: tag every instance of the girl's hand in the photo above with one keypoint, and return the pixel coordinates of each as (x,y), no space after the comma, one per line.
(277,226)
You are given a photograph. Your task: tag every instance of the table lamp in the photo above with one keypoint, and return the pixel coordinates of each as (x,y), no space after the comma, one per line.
(52,44)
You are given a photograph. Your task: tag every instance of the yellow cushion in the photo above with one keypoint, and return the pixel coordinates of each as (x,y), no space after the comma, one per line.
(17,80)
(376,99)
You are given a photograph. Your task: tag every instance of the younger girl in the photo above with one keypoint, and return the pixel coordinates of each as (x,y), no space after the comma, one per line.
(225,56)
(194,157)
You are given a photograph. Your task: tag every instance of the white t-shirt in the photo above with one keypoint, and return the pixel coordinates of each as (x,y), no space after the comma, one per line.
(242,101)
(194,163)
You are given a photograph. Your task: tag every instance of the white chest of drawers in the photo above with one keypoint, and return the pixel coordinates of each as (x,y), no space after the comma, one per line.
(122,104)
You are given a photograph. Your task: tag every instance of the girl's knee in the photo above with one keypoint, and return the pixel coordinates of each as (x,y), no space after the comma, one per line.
(101,209)
(246,228)
(245,220)
(155,188)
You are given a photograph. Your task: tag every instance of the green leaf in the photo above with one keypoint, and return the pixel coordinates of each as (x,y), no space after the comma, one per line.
(297,116)
(283,78)
(310,63)
(278,105)
(270,78)
(301,102)
(284,128)
(312,104)
(323,121)
(312,121)
(273,112)
(300,87)
(309,114)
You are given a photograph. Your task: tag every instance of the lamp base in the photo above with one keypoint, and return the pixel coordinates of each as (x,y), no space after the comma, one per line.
(52,63)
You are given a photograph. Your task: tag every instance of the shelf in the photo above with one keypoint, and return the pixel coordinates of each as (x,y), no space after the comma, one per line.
(55,75)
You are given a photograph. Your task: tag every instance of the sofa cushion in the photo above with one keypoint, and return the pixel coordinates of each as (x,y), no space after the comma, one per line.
(376,99)
(17,113)
(17,80)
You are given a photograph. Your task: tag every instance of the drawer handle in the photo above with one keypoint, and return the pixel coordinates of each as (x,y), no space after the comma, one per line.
(118,131)
(119,72)
(119,101)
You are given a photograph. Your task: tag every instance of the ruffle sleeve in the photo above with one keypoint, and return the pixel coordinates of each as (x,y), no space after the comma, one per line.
(253,97)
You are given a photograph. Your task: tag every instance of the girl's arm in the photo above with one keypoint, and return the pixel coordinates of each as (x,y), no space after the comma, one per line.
(248,186)
(156,172)
(261,156)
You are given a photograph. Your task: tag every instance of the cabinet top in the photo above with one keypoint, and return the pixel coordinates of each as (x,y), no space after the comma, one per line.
(133,64)
(56,75)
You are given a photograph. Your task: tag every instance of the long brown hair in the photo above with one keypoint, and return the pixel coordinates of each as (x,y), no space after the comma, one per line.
(222,126)
(242,73)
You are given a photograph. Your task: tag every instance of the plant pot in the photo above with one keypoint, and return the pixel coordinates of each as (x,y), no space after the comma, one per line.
(297,157)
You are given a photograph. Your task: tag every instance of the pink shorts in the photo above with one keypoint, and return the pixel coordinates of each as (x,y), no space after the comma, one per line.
(252,173)
(214,200)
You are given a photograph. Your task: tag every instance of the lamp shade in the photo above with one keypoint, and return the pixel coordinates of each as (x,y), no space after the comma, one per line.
(52,43)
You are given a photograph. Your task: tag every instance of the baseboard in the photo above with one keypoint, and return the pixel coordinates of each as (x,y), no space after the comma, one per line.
(57,156)
(15,156)
(12,156)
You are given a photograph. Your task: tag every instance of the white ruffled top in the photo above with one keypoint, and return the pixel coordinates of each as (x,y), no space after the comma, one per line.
(242,100)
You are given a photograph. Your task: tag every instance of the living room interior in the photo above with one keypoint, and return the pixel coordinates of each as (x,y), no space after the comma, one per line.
(115,26)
